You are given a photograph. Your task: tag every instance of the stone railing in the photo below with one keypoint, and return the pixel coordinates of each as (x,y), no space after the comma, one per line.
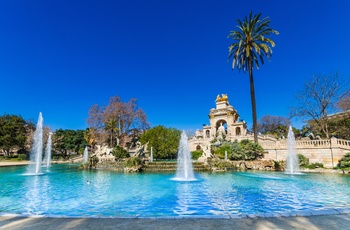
(299,144)
(341,143)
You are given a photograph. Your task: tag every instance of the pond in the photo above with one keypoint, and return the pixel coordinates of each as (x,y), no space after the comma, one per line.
(65,190)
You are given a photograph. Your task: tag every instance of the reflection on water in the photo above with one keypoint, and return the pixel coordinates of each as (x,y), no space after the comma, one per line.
(37,199)
(185,199)
(64,191)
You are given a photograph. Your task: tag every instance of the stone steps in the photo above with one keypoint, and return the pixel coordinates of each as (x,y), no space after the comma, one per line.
(171,167)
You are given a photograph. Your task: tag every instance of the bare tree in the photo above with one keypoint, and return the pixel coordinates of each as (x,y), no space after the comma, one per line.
(117,119)
(318,99)
(344,102)
(276,125)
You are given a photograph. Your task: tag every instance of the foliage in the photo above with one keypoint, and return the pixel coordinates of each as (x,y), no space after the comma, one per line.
(68,141)
(244,150)
(119,152)
(274,125)
(220,164)
(115,120)
(196,154)
(303,160)
(344,162)
(278,165)
(220,152)
(133,161)
(92,162)
(251,45)
(314,165)
(12,133)
(317,99)
(164,141)
(340,127)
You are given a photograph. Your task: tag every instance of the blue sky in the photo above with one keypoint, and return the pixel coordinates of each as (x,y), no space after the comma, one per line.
(61,57)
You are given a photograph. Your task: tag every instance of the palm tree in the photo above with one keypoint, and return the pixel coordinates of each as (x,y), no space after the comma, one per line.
(249,48)
(111,126)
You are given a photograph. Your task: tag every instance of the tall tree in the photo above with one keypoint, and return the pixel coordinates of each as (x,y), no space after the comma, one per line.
(68,141)
(318,99)
(12,133)
(116,119)
(164,141)
(249,48)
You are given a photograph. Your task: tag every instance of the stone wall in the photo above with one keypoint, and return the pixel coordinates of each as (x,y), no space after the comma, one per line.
(327,152)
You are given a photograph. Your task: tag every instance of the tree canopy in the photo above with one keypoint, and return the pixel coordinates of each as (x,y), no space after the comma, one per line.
(164,141)
(68,141)
(12,133)
(115,120)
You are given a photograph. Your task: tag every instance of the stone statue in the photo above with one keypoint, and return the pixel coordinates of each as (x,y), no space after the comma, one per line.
(221,132)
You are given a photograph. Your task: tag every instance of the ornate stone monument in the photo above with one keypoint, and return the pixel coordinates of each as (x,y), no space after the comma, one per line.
(224,125)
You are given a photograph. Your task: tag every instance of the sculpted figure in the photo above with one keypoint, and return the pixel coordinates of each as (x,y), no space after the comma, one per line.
(221,132)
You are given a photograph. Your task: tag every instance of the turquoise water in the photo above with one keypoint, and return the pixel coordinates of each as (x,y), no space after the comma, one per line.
(63,191)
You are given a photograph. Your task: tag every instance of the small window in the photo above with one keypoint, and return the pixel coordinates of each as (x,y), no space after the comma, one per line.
(238,131)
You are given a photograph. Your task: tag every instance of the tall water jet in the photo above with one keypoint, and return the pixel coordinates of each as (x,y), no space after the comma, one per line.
(85,155)
(184,170)
(292,166)
(47,159)
(36,152)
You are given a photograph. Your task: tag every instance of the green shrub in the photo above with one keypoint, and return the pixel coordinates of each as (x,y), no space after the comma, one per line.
(119,152)
(278,165)
(220,164)
(344,162)
(315,165)
(22,156)
(303,160)
(196,154)
(245,150)
(220,152)
(133,161)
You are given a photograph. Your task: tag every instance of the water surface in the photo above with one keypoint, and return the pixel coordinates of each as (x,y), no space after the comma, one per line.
(62,190)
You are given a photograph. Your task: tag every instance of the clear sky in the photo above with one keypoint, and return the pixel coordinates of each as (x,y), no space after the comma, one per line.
(61,57)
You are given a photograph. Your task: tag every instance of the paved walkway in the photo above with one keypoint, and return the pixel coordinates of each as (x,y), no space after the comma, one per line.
(13,163)
(333,222)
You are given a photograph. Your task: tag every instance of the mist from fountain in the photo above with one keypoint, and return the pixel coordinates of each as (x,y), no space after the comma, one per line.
(292,164)
(36,153)
(47,159)
(85,155)
(184,170)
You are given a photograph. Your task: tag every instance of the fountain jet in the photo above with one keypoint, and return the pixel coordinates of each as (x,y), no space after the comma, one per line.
(47,159)
(36,152)
(184,170)
(292,166)
(85,155)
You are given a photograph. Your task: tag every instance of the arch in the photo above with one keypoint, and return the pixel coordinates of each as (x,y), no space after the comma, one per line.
(207,134)
(218,123)
(238,131)
(198,148)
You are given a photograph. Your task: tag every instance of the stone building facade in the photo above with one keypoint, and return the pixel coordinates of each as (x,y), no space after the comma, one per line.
(225,124)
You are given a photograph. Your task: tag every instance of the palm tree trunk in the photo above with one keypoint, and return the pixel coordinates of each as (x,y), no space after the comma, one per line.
(252,97)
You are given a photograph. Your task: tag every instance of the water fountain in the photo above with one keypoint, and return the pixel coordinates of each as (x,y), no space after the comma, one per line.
(184,170)
(85,155)
(36,152)
(292,166)
(47,159)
